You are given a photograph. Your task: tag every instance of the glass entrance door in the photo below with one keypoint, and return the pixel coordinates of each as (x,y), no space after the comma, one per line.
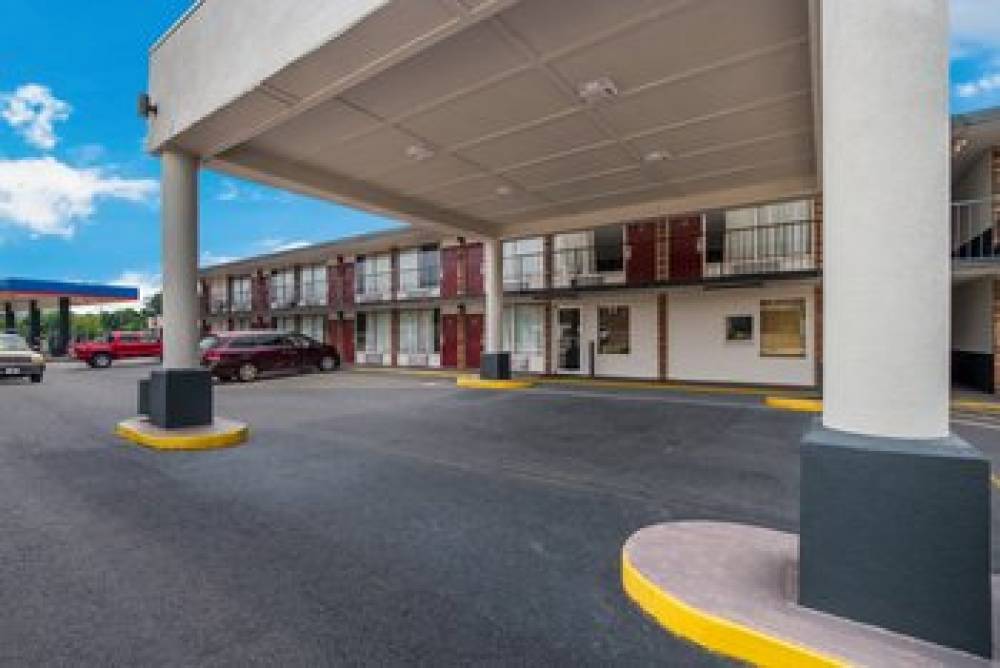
(569,339)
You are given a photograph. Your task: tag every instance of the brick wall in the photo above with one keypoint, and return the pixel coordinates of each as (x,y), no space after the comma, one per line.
(662,251)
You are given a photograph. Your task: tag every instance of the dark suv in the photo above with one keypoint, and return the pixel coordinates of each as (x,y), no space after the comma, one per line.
(245,356)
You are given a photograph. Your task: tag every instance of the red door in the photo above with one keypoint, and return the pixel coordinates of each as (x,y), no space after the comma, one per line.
(473,340)
(685,248)
(347,342)
(449,340)
(474,271)
(641,266)
(449,272)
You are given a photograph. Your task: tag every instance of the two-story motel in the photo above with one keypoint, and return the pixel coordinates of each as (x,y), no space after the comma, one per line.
(722,295)
(645,188)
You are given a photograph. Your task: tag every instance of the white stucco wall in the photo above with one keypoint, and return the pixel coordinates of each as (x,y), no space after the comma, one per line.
(641,361)
(972,316)
(697,346)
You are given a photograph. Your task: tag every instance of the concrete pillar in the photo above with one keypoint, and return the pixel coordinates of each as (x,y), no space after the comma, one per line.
(9,319)
(63,333)
(894,512)
(495,361)
(886,187)
(179,194)
(493,283)
(34,325)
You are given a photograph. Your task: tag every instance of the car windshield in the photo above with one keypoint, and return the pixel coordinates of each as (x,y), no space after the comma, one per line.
(209,342)
(12,342)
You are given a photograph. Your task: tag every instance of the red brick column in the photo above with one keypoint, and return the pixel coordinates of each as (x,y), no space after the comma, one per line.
(662,251)
(460,338)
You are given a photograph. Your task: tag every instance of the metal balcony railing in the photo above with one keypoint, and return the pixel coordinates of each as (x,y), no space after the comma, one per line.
(373,286)
(241,305)
(282,299)
(313,294)
(218,306)
(974,230)
(423,281)
(762,249)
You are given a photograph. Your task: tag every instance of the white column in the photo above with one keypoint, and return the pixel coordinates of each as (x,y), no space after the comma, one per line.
(887,283)
(179,205)
(493,279)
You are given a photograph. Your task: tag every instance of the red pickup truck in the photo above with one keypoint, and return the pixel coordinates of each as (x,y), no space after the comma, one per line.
(118,346)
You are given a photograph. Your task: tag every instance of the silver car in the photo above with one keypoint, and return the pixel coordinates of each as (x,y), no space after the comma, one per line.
(18,360)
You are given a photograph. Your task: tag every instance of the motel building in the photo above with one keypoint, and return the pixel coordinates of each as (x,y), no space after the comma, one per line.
(766,192)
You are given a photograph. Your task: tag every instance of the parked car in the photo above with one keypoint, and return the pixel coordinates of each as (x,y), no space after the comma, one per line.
(17,359)
(118,346)
(247,355)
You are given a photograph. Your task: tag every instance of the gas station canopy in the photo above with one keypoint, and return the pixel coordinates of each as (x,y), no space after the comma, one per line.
(46,294)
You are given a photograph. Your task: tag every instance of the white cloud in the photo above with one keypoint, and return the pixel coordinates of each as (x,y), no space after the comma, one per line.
(32,110)
(280,245)
(231,190)
(48,197)
(87,154)
(210,259)
(982,86)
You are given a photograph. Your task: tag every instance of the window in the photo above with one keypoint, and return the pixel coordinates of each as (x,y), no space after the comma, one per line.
(285,324)
(522,264)
(769,231)
(373,275)
(609,248)
(313,326)
(613,334)
(373,332)
(783,328)
(420,269)
(739,328)
(314,285)
(282,288)
(241,294)
(217,295)
(416,332)
(523,328)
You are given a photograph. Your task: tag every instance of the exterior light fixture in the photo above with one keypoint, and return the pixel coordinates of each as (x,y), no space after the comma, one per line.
(419,152)
(504,191)
(598,90)
(655,156)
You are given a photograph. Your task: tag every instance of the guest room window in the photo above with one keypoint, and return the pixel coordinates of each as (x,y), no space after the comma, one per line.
(783,328)
(613,334)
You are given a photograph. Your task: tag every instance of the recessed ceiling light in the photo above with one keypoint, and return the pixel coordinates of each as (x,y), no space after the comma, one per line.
(597,90)
(503,191)
(655,156)
(419,152)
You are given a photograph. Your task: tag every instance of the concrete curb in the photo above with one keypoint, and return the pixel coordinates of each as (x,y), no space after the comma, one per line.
(221,434)
(715,633)
(475,382)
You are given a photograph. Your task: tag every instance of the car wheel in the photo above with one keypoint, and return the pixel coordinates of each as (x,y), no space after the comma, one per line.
(327,363)
(101,361)
(248,372)
(36,378)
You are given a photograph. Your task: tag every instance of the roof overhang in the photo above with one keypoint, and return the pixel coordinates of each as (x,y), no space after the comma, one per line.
(47,293)
(468,114)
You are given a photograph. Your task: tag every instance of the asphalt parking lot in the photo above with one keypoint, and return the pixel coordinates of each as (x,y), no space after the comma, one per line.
(372,519)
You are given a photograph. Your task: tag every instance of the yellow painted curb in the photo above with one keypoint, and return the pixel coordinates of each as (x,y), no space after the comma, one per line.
(715,633)
(790,404)
(482,384)
(976,406)
(131,430)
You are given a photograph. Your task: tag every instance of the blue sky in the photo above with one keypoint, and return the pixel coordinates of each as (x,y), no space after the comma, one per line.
(78,195)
